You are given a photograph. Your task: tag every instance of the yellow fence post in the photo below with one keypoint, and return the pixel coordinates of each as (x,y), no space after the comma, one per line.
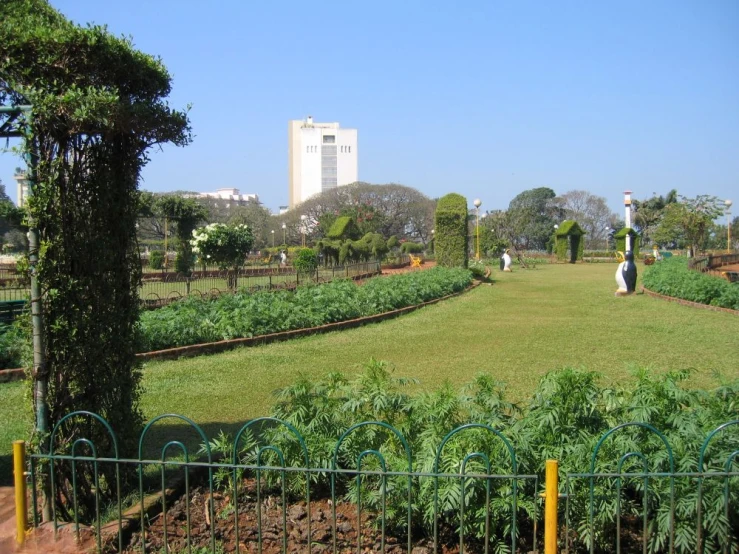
(550,507)
(21,509)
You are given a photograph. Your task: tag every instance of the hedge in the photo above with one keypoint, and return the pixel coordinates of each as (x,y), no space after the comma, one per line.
(451,231)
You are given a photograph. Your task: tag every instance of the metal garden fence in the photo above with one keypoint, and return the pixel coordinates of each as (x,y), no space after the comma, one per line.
(296,504)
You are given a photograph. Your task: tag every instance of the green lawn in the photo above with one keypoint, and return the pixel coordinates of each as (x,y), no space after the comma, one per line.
(527,323)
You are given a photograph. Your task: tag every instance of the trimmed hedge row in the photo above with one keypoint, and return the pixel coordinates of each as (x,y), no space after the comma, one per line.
(195,320)
(450,242)
(672,277)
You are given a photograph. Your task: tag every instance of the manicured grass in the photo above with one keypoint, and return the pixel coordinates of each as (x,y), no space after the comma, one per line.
(529,322)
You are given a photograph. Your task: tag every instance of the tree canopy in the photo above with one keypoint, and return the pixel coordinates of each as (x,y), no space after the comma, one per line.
(531,218)
(98,104)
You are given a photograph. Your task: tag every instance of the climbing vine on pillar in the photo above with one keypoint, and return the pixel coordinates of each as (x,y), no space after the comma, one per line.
(98,106)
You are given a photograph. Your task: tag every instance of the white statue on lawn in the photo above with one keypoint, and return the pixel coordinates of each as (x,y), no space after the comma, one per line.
(505,261)
(626,275)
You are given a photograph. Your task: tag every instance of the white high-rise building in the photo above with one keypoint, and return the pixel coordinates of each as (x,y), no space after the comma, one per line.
(321,156)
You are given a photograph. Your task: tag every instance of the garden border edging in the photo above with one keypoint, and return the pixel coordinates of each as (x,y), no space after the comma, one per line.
(192,350)
(224,345)
(688,303)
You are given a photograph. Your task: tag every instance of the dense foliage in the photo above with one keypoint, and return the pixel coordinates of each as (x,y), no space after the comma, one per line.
(12,345)
(672,277)
(195,320)
(98,105)
(305,261)
(569,236)
(224,245)
(184,214)
(531,217)
(450,240)
(620,238)
(389,210)
(564,419)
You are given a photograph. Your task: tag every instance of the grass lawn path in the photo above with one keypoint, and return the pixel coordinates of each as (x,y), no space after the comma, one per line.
(529,322)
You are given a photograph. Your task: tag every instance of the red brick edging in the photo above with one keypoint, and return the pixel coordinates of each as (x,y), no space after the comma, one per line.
(689,303)
(222,346)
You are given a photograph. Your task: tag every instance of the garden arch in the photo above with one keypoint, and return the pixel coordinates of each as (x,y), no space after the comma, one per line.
(569,237)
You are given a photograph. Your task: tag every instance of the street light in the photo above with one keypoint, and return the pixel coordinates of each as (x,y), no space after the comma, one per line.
(728,204)
(284,240)
(608,238)
(477,204)
(303,219)
(273,237)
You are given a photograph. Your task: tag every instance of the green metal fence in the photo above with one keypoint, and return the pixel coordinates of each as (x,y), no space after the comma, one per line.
(265,492)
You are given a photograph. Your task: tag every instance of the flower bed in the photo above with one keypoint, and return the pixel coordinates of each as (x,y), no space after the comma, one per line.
(672,277)
(195,320)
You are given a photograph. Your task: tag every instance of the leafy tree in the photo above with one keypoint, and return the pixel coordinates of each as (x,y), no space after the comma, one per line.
(531,218)
(648,214)
(225,245)
(392,209)
(257,218)
(185,214)
(689,220)
(98,106)
(591,213)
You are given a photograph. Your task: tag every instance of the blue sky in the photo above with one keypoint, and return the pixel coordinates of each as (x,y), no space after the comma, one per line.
(482,98)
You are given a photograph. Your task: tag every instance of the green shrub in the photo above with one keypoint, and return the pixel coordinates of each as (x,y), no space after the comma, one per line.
(196,320)
(451,231)
(181,264)
(564,419)
(672,277)
(412,248)
(305,261)
(12,344)
(156,259)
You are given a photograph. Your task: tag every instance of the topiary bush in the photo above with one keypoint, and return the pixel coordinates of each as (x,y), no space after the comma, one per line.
(156,259)
(451,241)
(305,261)
(411,248)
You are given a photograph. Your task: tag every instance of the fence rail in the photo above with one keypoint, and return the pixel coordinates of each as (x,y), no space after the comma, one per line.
(161,288)
(370,494)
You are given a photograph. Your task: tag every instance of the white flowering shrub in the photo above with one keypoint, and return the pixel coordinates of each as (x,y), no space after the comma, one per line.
(221,244)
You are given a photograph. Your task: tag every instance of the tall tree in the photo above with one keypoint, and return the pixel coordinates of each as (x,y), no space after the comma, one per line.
(531,218)
(592,214)
(257,217)
(648,214)
(98,106)
(396,210)
(689,220)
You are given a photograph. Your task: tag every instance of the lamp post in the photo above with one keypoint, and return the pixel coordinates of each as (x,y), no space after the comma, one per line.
(284,231)
(608,238)
(303,219)
(477,204)
(728,204)
(273,237)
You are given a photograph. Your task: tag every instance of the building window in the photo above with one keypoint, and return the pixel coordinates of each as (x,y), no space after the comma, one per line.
(350,149)
(329,139)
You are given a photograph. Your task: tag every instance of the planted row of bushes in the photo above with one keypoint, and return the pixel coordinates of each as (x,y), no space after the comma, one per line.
(195,320)
(672,277)
(564,419)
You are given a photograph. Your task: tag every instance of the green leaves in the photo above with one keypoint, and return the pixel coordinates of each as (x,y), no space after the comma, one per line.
(193,320)
(672,277)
